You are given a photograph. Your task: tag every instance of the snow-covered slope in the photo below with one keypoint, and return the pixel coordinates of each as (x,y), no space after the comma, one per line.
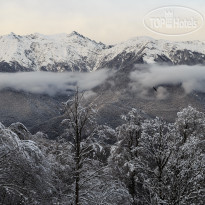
(55,52)
(75,52)
(148,50)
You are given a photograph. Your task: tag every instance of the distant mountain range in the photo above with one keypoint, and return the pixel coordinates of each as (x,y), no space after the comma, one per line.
(74,52)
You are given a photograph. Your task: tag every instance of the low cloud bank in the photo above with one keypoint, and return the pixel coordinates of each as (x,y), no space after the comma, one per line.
(191,78)
(52,83)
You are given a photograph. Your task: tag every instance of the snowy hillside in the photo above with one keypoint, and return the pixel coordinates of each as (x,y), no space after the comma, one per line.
(56,52)
(75,52)
(148,50)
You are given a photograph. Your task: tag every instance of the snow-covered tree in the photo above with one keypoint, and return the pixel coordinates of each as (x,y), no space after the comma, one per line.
(171,160)
(86,141)
(124,153)
(155,150)
(186,172)
(188,159)
(190,122)
(80,130)
(166,159)
(141,162)
(25,174)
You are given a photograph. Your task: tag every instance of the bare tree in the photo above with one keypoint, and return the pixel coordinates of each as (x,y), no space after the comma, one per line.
(80,132)
(92,181)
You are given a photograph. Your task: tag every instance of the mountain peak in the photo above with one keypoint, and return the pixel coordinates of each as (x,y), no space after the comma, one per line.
(80,36)
(75,33)
(143,38)
(12,34)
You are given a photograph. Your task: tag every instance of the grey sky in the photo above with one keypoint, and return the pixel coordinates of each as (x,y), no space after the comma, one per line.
(109,21)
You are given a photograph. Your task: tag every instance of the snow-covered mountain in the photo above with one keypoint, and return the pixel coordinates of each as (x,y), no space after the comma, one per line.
(147,50)
(55,52)
(74,52)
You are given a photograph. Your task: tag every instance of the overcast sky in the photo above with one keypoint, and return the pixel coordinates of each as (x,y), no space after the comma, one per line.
(109,21)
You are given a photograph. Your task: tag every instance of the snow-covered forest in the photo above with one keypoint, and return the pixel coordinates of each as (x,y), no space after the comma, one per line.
(143,161)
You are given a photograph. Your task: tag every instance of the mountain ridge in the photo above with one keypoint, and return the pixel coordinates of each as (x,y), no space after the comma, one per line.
(75,52)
